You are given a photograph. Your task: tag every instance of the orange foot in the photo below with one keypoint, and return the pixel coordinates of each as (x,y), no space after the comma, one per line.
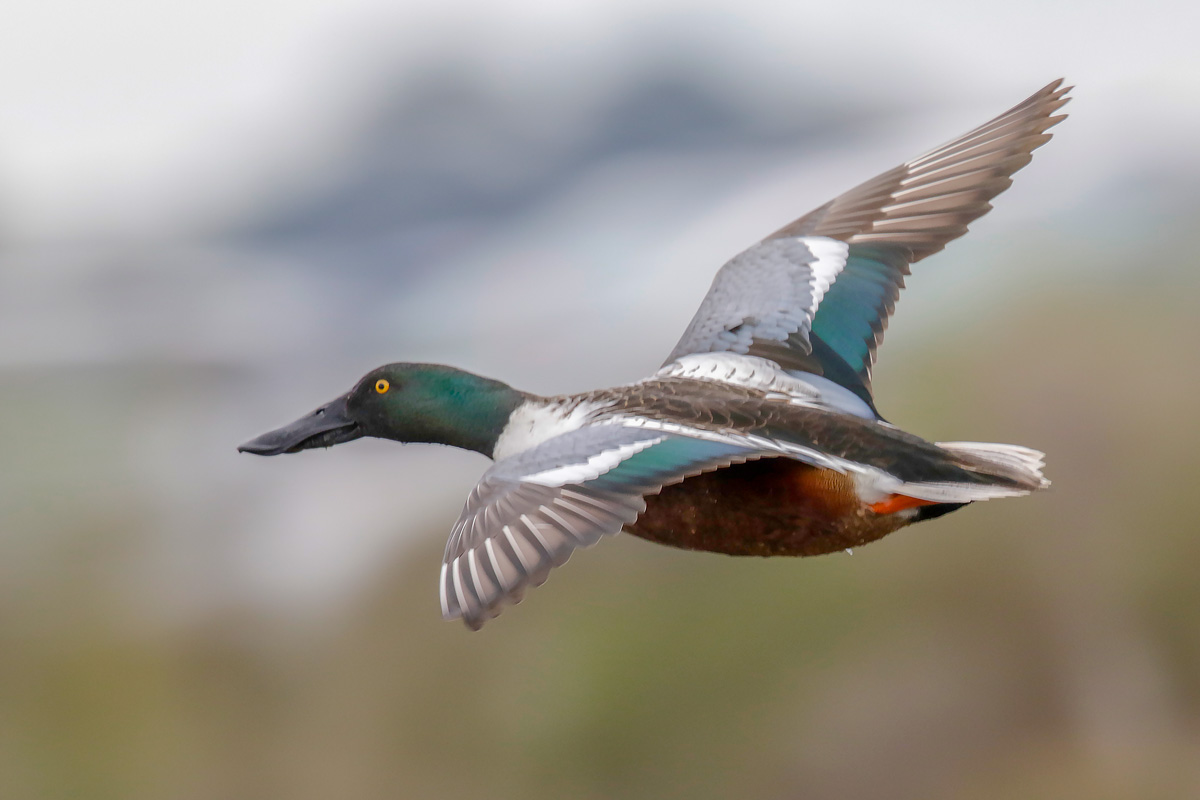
(898,502)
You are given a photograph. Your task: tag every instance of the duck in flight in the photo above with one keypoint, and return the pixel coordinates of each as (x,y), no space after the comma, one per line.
(758,436)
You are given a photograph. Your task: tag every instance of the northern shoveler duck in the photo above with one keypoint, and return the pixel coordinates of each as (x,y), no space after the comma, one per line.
(758,436)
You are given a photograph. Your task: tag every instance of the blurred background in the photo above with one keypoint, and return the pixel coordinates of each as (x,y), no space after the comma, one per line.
(216,216)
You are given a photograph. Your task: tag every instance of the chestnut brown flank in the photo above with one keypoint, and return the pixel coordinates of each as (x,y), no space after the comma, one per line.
(769,507)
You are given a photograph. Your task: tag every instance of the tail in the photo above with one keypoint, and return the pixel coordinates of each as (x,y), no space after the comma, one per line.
(994,470)
(1009,469)
(1020,467)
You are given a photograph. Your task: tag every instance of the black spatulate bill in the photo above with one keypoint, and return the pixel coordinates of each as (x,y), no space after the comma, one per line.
(328,425)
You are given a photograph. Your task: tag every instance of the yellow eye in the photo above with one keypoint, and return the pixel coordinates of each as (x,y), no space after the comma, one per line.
(381,385)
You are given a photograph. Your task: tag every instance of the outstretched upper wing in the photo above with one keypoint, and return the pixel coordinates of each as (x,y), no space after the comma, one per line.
(816,295)
(529,512)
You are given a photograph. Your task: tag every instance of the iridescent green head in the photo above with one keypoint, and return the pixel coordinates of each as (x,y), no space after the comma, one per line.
(407,403)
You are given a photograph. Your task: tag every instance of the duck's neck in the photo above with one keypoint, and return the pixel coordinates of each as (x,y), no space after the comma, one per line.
(483,420)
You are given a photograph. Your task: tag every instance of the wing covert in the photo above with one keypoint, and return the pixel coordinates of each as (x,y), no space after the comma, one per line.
(765,296)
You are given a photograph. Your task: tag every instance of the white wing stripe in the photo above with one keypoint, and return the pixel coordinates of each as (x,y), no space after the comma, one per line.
(477,578)
(831,259)
(533,527)
(565,525)
(517,551)
(459,591)
(473,599)
(584,498)
(569,506)
(443,585)
(501,573)
(593,468)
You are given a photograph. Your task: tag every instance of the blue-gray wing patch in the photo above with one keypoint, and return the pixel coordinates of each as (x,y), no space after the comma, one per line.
(766,295)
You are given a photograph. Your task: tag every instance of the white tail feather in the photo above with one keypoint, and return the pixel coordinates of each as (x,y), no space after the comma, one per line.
(996,470)
(949,492)
(1011,461)
(1011,471)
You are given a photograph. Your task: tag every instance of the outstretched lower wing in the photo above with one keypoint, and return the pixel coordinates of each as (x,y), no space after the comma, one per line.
(816,295)
(531,511)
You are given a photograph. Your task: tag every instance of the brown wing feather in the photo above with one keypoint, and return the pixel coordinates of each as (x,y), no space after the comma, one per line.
(929,201)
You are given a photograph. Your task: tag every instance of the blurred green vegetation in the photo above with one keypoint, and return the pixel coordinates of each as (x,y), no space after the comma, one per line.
(1041,647)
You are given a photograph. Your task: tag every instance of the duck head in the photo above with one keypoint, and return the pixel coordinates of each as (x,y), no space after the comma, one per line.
(406,403)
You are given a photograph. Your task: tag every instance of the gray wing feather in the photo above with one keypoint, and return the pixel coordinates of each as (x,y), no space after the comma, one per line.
(529,512)
(510,536)
(925,203)
(514,530)
(765,294)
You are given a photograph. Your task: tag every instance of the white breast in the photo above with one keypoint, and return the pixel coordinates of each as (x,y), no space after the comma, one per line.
(535,421)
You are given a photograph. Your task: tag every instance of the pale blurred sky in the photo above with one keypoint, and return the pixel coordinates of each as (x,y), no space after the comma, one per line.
(110,107)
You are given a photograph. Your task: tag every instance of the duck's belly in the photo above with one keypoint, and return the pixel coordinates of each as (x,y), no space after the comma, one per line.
(770,507)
